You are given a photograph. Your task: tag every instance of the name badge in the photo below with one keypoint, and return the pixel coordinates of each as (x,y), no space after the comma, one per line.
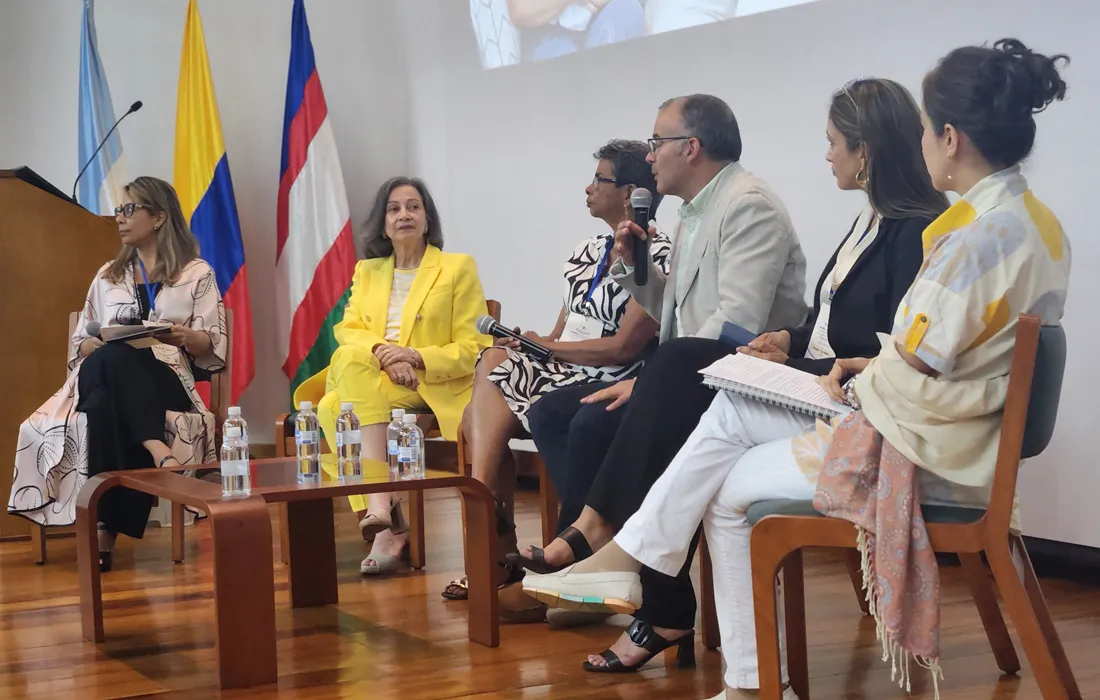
(579,327)
(819,348)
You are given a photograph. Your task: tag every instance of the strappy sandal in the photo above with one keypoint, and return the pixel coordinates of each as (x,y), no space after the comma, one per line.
(537,561)
(458,589)
(645,637)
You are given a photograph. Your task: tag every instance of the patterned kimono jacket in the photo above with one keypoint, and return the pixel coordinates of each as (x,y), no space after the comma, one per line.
(51,458)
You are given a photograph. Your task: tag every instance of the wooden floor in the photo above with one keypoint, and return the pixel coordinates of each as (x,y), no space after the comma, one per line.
(397,638)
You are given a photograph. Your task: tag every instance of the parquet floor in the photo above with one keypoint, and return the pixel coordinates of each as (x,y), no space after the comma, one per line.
(396,638)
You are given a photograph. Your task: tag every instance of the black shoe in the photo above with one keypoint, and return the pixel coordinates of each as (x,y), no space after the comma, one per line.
(643,635)
(105,561)
(537,561)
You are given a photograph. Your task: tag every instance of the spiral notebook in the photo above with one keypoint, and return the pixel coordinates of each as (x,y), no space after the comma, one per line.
(772,383)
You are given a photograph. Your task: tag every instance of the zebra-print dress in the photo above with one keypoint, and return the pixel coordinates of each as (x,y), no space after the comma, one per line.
(522,380)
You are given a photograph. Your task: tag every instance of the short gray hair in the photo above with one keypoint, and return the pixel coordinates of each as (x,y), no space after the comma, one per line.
(710,120)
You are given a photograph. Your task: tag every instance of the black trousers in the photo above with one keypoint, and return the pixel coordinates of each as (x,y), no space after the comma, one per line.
(125,392)
(572,439)
(618,458)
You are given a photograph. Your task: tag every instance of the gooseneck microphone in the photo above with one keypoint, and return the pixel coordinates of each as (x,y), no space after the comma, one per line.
(641,199)
(488,326)
(133,108)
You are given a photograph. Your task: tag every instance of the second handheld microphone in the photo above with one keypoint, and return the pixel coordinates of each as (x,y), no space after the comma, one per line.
(488,326)
(641,200)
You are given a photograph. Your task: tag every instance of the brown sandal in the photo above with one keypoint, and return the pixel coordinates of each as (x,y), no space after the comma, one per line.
(536,563)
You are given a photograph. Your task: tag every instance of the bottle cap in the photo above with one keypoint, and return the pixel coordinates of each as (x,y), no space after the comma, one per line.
(305,406)
(397,412)
(234,410)
(346,405)
(409,419)
(233,431)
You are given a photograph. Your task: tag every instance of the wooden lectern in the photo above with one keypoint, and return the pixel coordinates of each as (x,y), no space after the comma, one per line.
(49,250)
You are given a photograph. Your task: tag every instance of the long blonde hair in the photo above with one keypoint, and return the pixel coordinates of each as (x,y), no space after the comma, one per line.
(176,245)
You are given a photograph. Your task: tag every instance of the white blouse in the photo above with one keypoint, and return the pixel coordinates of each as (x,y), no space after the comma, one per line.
(399,294)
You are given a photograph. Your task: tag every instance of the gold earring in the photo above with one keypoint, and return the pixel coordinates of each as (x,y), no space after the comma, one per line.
(862,178)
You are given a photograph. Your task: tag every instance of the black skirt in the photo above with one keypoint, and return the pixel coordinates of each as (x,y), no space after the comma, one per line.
(125,393)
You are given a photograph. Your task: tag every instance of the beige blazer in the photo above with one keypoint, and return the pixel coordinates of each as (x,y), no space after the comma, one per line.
(746,266)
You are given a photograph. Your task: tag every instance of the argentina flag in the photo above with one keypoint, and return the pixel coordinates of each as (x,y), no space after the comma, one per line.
(101,186)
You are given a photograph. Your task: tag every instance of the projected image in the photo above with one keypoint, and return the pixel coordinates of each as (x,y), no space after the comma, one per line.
(519,31)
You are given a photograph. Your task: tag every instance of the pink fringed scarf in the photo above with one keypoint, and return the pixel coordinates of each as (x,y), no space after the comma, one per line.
(866,481)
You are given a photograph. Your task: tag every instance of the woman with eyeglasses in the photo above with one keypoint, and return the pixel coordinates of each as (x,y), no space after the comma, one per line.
(874,134)
(927,404)
(128,406)
(600,337)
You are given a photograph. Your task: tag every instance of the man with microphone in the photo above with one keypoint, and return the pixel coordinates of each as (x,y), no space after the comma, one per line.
(736,259)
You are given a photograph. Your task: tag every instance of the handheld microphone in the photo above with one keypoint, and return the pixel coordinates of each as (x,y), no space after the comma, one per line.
(486,325)
(93,328)
(133,108)
(641,199)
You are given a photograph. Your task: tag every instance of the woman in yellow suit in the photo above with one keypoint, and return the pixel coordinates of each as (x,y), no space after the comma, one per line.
(408,340)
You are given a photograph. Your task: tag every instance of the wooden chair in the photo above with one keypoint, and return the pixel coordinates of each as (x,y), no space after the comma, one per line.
(285,447)
(784,528)
(220,398)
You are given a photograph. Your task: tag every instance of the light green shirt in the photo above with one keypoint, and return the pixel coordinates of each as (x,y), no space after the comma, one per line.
(691,215)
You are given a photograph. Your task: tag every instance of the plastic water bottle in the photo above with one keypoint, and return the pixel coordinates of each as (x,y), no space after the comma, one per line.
(307,437)
(410,454)
(393,439)
(236,479)
(349,444)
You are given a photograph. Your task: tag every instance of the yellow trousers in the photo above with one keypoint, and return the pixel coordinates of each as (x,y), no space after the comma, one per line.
(355,375)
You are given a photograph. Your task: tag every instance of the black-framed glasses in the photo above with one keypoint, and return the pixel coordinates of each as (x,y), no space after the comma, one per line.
(129,208)
(657,141)
(597,179)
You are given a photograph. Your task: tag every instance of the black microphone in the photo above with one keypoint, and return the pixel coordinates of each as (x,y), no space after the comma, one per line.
(133,108)
(488,326)
(640,200)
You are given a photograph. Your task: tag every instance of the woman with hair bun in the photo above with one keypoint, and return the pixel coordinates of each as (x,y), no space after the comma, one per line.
(927,409)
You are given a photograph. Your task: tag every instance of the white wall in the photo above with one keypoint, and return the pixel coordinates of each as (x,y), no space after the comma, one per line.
(360,61)
(509,152)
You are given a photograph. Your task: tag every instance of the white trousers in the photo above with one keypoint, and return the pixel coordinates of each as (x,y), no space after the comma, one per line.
(739,454)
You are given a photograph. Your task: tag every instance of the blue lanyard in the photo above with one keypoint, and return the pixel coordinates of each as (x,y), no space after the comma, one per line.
(601,270)
(150,289)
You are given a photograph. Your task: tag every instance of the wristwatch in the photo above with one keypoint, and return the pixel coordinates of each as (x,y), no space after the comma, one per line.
(850,395)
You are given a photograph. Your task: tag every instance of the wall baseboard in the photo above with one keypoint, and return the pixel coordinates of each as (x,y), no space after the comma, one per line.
(1061,560)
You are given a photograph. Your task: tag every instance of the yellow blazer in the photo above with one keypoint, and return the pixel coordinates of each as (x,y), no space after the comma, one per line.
(438,321)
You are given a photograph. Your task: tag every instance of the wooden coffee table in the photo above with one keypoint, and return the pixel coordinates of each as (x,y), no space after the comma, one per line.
(244,586)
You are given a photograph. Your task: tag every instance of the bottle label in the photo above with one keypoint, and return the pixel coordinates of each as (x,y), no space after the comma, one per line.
(306,437)
(233,432)
(391,447)
(405,454)
(234,467)
(350,437)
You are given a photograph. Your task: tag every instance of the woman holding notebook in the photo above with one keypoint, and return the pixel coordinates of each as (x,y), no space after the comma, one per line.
(927,406)
(874,132)
(125,407)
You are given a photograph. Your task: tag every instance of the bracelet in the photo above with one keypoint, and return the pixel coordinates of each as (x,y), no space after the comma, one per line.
(850,395)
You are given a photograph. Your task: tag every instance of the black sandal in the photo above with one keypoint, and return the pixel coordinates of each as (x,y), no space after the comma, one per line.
(458,589)
(536,563)
(643,635)
(106,559)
